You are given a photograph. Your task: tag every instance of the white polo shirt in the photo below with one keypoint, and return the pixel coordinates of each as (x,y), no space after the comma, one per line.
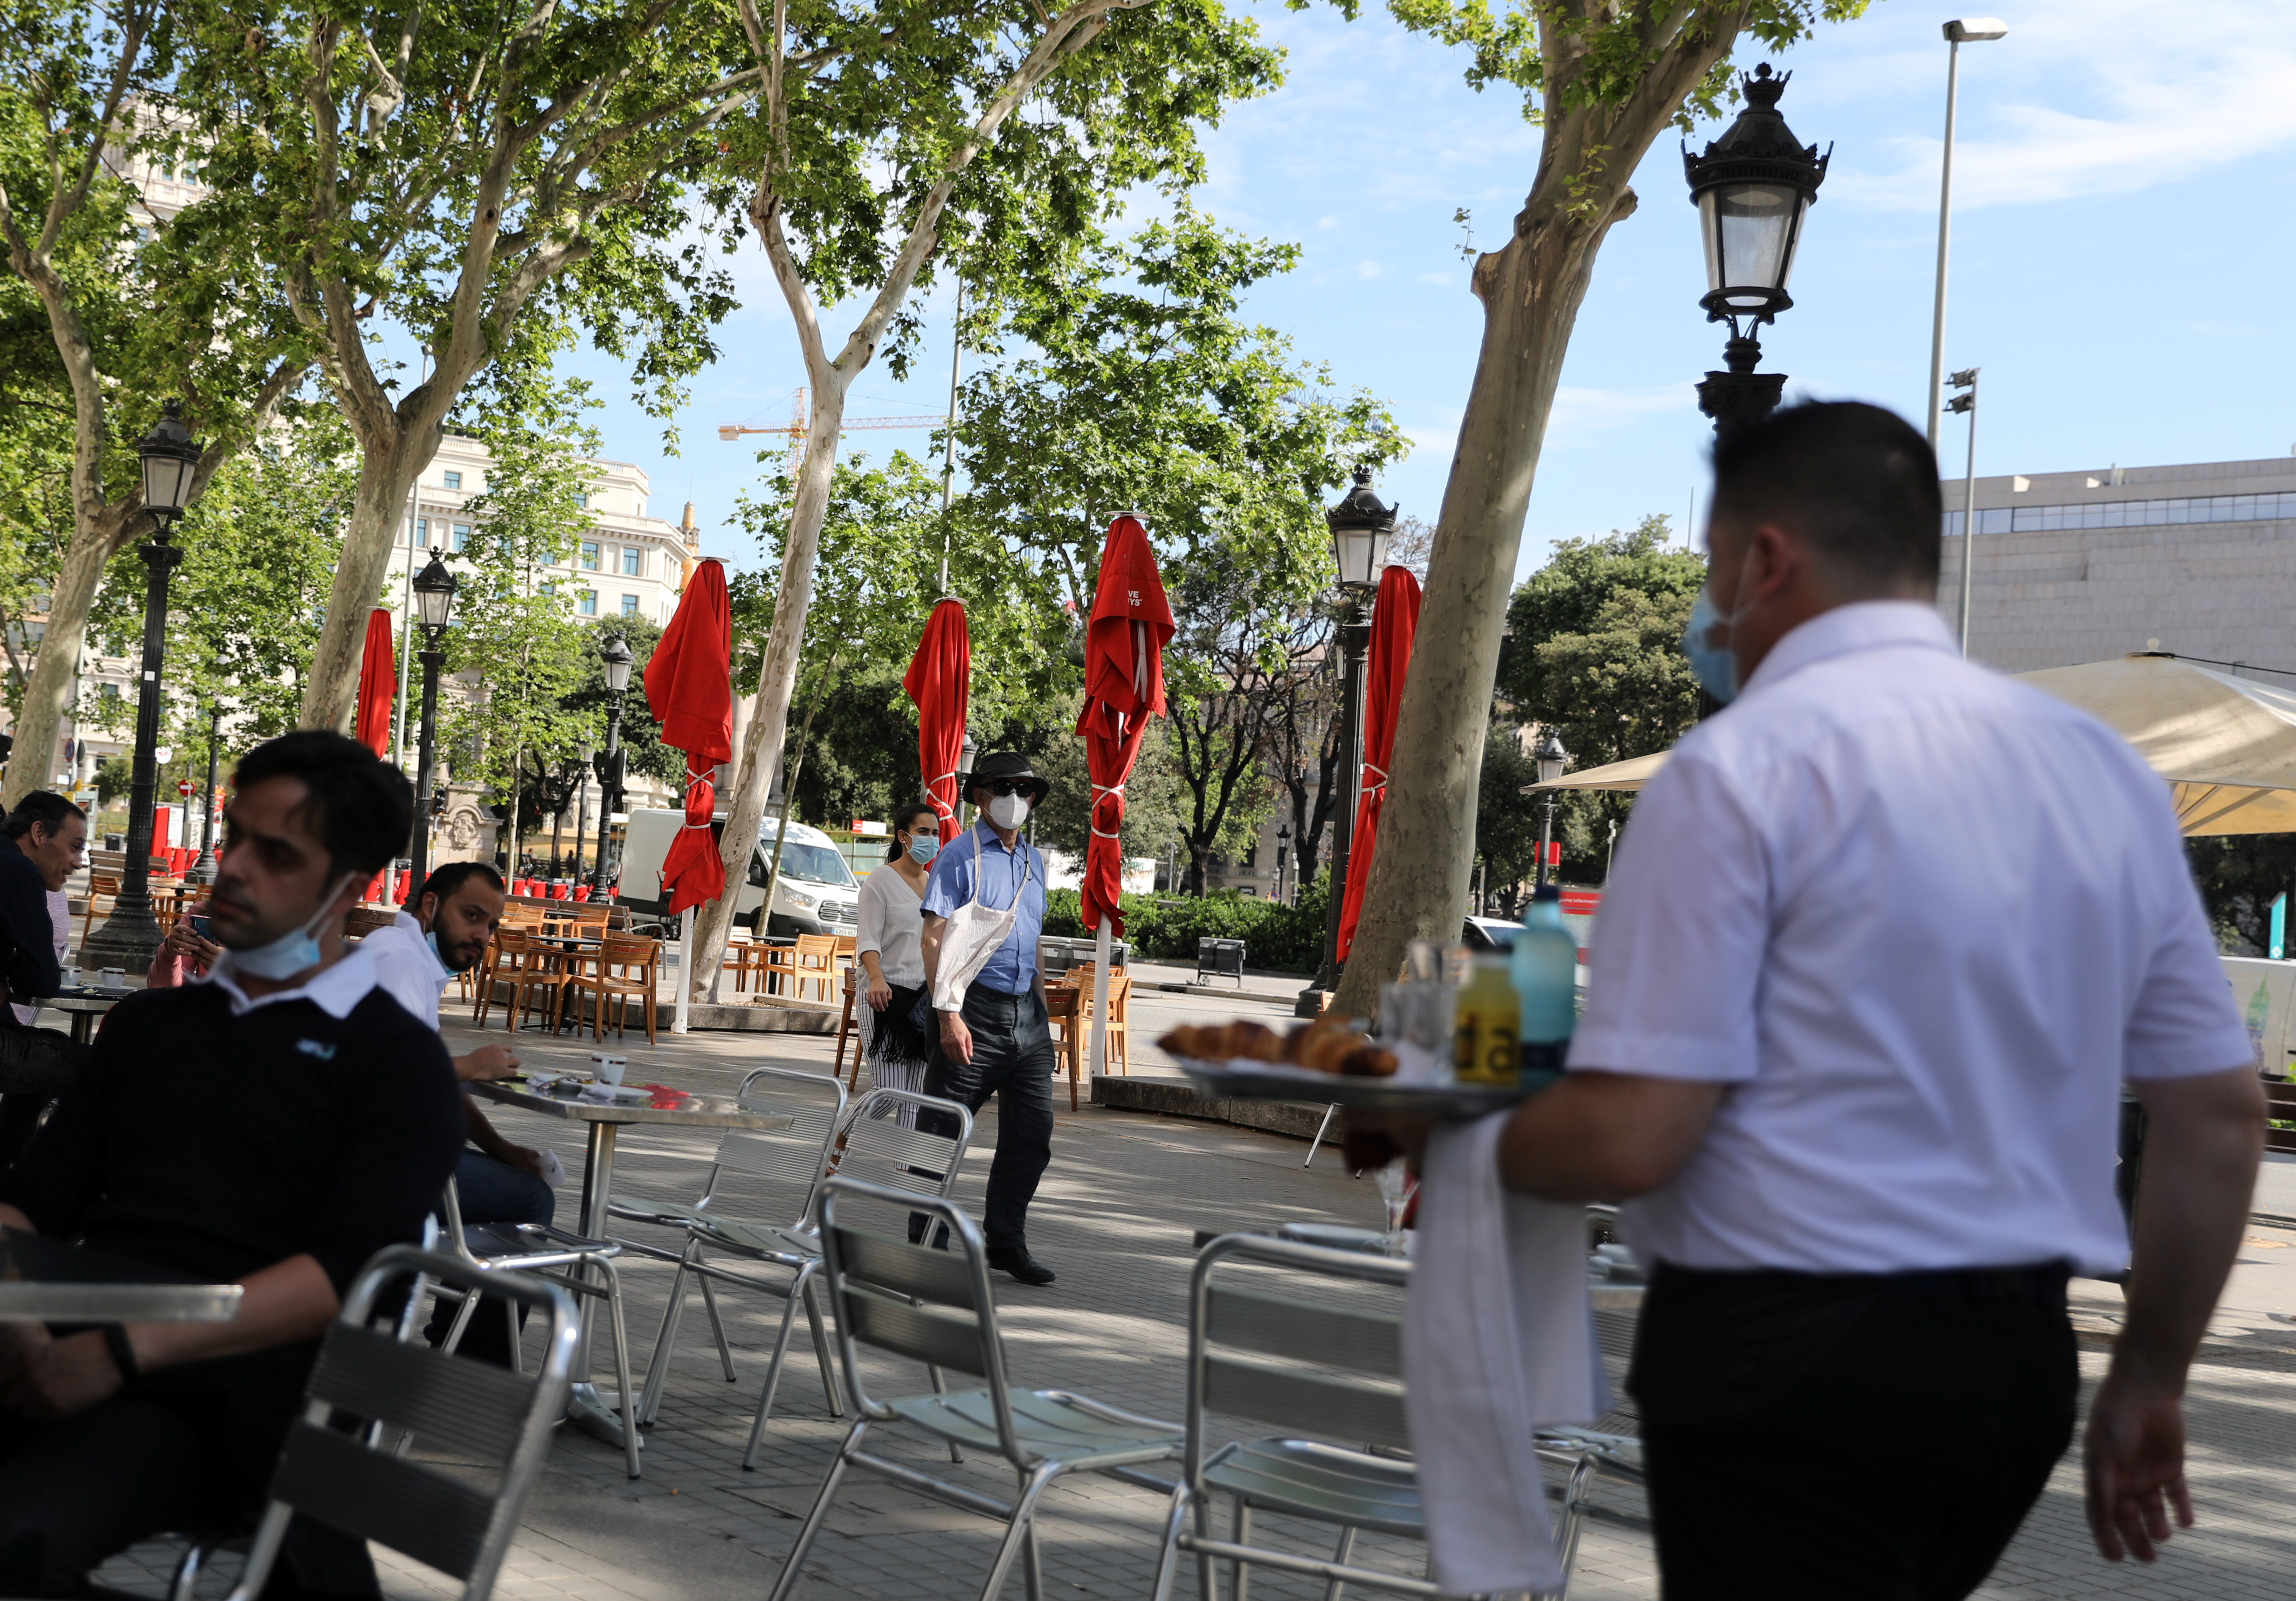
(407,967)
(1922,920)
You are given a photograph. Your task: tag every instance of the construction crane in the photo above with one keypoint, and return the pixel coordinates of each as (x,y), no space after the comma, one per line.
(798,428)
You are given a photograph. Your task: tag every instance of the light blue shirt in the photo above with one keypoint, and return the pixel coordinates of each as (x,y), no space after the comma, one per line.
(1013,969)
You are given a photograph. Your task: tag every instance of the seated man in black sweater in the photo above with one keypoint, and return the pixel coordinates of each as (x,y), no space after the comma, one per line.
(274,1124)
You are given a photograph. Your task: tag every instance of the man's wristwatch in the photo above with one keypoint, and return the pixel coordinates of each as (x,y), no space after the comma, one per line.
(123,1353)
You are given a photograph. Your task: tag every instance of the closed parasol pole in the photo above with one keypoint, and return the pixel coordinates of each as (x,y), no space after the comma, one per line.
(1124,686)
(939,681)
(689,688)
(1395,620)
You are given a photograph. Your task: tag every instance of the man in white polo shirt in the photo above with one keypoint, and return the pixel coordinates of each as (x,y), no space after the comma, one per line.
(1882,941)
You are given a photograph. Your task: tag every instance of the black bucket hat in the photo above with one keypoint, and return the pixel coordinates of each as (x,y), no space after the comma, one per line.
(1003,764)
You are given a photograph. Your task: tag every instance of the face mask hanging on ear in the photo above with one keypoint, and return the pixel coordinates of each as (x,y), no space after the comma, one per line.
(294,951)
(1716,669)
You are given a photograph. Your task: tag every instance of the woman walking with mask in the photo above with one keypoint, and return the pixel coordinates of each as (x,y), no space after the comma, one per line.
(892,898)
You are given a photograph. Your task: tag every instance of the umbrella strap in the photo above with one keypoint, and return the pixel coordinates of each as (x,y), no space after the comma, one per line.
(1098,790)
(1370,784)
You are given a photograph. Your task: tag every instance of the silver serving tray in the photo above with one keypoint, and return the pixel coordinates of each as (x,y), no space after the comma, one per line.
(1277,1082)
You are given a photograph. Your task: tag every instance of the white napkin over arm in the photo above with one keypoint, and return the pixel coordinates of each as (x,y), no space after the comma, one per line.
(1499,1340)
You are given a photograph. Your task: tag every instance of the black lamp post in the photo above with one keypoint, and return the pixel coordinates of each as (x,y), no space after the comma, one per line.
(1283,849)
(130,937)
(1551,757)
(434,608)
(967,754)
(203,870)
(1752,188)
(1360,528)
(615,654)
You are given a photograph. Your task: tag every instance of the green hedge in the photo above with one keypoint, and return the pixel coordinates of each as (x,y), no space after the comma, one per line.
(1278,937)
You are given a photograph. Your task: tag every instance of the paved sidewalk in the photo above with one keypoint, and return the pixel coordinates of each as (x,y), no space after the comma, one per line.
(1115,1216)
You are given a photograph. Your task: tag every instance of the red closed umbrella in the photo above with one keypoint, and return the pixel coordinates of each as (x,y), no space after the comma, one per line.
(377,683)
(689,688)
(1395,619)
(940,680)
(1124,646)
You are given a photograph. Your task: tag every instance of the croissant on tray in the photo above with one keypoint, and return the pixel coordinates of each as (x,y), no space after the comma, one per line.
(1329,1045)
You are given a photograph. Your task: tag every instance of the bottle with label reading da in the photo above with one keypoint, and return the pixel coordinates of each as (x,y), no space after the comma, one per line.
(1545,965)
(1485,1041)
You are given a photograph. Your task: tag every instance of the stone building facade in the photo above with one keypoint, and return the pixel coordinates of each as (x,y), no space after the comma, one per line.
(2198,561)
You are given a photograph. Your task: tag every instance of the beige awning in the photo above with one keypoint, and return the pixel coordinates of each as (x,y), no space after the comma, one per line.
(2226,744)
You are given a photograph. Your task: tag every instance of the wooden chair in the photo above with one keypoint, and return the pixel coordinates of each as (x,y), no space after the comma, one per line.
(743,958)
(530,970)
(364,920)
(847,1030)
(1066,1013)
(815,963)
(100,886)
(623,966)
(1120,1011)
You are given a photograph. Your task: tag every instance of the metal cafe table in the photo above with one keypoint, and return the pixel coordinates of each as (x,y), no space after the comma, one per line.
(595,1411)
(46,1281)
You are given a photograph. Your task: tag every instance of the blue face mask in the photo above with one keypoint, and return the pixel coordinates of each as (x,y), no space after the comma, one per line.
(430,939)
(294,951)
(923,848)
(1715,669)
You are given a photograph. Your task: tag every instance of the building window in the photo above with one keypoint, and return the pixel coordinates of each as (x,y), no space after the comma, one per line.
(422,536)
(589,555)
(108,691)
(582,502)
(462,535)
(629,605)
(632,561)
(454,481)
(549,587)
(588,603)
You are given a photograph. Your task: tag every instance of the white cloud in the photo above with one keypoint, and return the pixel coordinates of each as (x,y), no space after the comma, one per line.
(1327,223)
(2089,97)
(1368,269)
(1440,279)
(1580,414)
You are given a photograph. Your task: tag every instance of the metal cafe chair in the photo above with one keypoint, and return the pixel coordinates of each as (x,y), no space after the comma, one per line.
(473,1410)
(535,1248)
(934,1306)
(1586,1455)
(792,1160)
(1340,1381)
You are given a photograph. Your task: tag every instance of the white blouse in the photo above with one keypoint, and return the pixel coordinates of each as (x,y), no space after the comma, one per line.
(891,925)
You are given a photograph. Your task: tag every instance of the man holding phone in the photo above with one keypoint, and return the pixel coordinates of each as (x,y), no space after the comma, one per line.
(40,844)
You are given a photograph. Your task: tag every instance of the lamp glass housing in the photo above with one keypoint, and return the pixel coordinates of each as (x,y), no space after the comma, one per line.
(434,594)
(616,655)
(1360,549)
(1551,757)
(1750,231)
(167,482)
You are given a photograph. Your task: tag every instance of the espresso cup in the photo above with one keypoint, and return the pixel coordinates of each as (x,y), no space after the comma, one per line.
(114,977)
(610,1069)
(71,978)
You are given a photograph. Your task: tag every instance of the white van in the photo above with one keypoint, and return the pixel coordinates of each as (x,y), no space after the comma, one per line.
(817,893)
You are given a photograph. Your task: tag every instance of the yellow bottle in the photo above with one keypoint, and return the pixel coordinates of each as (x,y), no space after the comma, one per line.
(1485,1043)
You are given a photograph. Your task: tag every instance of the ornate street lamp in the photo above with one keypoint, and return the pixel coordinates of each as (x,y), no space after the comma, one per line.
(616,657)
(434,608)
(130,937)
(1361,528)
(967,754)
(1283,849)
(1552,759)
(1752,187)
(203,870)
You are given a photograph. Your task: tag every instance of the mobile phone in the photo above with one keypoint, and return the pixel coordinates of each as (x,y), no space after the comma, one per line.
(199,926)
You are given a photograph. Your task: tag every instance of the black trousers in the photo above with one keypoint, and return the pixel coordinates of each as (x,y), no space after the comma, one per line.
(78,1491)
(1012,1060)
(1847,1438)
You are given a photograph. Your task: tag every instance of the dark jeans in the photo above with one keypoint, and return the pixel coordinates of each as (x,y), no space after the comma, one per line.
(1012,1060)
(1847,1438)
(19,1117)
(76,1493)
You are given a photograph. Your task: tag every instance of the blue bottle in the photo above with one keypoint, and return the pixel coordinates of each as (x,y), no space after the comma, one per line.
(1545,968)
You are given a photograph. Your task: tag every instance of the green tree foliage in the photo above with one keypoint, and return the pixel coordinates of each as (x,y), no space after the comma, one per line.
(2238,875)
(1283,938)
(1153,799)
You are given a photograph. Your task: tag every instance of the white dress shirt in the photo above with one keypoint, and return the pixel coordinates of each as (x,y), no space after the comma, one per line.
(407,967)
(1921,920)
(892,925)
(334,990)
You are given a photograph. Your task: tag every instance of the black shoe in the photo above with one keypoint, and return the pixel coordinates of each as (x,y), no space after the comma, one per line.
(1020,1265)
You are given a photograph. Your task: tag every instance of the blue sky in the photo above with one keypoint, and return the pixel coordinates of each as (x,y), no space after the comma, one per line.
(2122,230)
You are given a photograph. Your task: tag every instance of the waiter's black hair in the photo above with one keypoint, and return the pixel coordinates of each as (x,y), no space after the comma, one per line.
(1856,481)
(44,807)
(903,818)
(447,877)
(365,806)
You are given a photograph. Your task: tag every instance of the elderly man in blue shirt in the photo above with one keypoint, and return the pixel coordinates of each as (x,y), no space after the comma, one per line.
(984,908)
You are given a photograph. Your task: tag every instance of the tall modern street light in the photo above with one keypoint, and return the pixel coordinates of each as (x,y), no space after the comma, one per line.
(130,937)
(1966,30)
(1552,759)
(1965,380)
(1283,849)
(434,607)
(616,655)
(1361,528)
(1752,188)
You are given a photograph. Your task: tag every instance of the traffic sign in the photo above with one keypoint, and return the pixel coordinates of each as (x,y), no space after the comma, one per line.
(183,787)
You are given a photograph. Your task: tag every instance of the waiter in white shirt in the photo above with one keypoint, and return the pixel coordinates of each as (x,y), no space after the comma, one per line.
(1883,939)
